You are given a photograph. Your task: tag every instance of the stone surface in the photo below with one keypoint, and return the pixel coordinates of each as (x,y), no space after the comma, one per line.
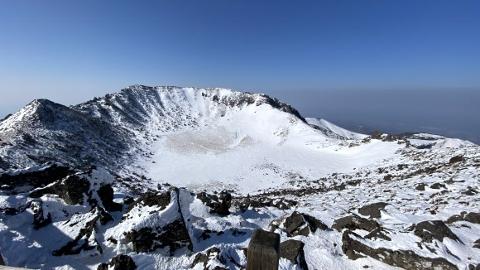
(293,251)
(354,222)
(119,262)
(263,251)
(433,229)
(105,193)
(302,224)
(218,204)
(406,259)
(372,210)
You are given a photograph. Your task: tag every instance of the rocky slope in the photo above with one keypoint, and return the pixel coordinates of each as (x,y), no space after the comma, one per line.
(179,178)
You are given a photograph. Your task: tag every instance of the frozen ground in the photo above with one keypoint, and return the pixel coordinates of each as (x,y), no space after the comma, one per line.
(363,201)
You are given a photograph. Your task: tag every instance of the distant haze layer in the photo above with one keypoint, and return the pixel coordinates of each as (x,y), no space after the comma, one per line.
(452,113)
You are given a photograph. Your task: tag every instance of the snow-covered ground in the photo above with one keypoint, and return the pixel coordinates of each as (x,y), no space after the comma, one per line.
(156,150)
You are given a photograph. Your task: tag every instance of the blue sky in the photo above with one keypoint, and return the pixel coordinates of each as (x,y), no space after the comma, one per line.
(70,51)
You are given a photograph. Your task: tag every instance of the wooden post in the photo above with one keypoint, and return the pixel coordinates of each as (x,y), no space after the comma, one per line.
(263,251)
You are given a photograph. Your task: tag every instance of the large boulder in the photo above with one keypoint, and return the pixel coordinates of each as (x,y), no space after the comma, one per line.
(293,251)
(354,248)
(372,210)
(433,229)
(263,251)
(464,216)
(354,222)
(302,224)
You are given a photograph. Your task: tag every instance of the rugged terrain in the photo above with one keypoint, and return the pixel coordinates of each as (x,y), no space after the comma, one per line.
(179,178)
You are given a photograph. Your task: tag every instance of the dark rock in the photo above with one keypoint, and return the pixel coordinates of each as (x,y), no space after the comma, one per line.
(302,224)
(464,216)
(437,186)
(160,199)
(406,259)
(470,191)
(119,262)
(378,233)
(354,222)
(173,235)
(456,159)
(420,187)
(35,179)
(218,204)
(263,201)
(105,193)
(388,177)
(372,210)
(71,189)
(433,229)
(473,267)
(40,220)
(263,251)
(476,244)
(293,251)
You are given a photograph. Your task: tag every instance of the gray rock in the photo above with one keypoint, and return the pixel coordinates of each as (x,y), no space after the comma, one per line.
(302,224)
(464,216)
(406,259)
(372,210)
(433,229)
(218,204)
(293,251)
(119,262)
(263,251)
(353,222)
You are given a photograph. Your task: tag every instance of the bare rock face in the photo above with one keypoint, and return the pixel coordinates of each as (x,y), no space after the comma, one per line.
(71,189)
(433,229)
(263,251)
(464,216)
(302,224)
(372,210)
(354,249)
(173,235)
(160,199)
(219,204)
(34,179)
(119,262)
(105,192)
(353,222)
(293,251)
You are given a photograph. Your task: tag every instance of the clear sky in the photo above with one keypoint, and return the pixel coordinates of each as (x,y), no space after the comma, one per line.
(70,51)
